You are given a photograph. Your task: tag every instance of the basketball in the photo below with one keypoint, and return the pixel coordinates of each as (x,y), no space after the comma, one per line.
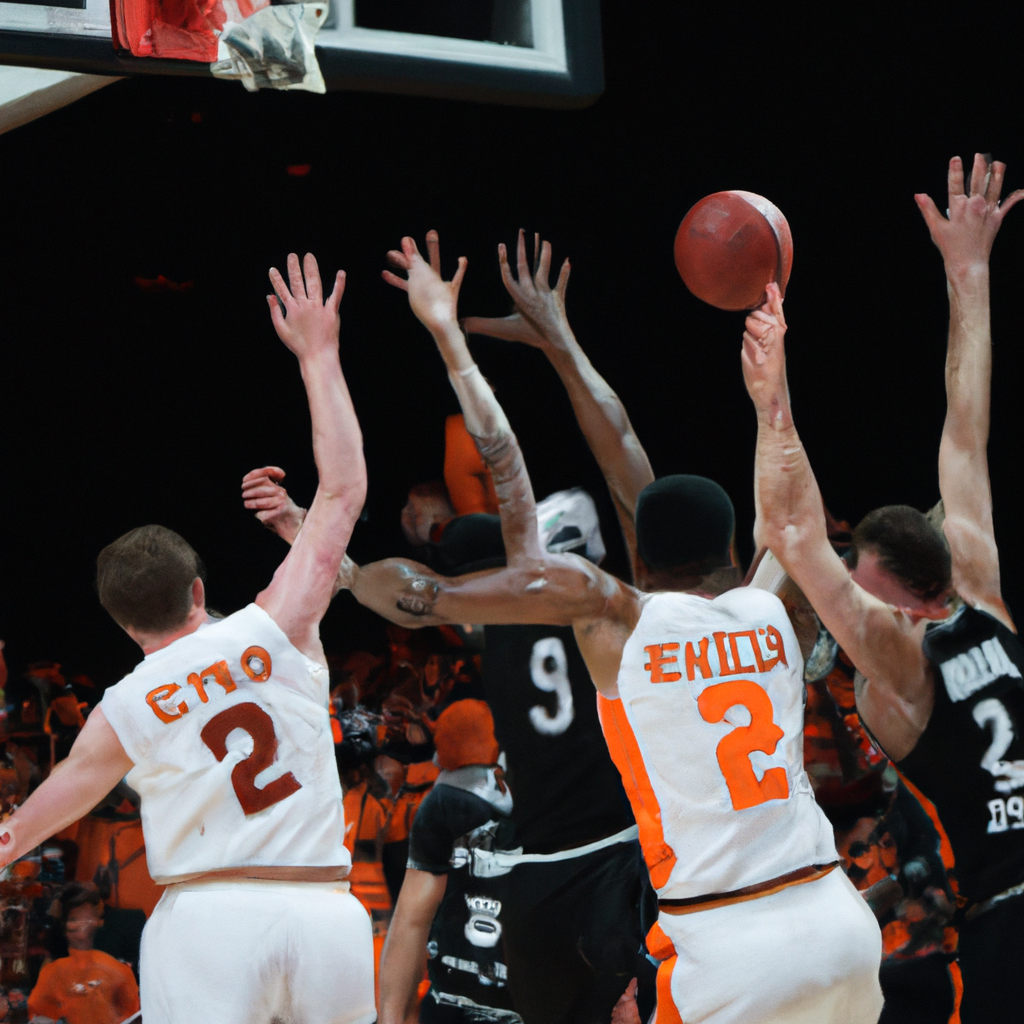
(730,246)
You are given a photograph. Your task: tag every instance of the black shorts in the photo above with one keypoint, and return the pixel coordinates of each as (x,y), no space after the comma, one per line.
(573,936)
(991,951)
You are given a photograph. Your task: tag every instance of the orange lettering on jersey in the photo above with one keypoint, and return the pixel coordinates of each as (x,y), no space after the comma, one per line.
(625,753)
(695,660)
(162,693)
(723,658)
(773,641)
(734,749)
(656,652)
(220,674)
(256,664)
(751,635)
(195,680)
(737,666)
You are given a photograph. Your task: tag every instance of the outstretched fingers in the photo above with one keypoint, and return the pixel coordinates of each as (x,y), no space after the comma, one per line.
(334,299)
(311,268)
(521,263)
(955,179)
(563,279)
(928,209)
(979,175)
(434,251)
(459,274)
(295,277)
(1011,201)
(997,171)
(543,276)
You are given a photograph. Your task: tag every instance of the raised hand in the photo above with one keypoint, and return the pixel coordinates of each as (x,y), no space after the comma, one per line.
(965,235)
(764,353)
(539,319)
(274,508)
(306,324)
(433,300)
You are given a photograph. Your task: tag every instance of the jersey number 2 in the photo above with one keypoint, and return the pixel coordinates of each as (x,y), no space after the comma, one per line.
(734,749)
(250,718)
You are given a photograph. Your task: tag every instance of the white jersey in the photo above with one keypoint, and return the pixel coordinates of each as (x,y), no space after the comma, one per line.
(229,731)
(709,727)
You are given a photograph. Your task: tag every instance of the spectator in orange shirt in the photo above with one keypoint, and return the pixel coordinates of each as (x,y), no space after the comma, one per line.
(87,986)
(468,480)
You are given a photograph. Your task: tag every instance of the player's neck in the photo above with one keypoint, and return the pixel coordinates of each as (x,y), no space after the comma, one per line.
(707,584)
(152,642)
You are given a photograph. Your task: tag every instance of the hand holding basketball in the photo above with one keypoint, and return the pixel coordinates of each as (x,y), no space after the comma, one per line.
(307,324)
(965,235)
(730,245)
(764,353)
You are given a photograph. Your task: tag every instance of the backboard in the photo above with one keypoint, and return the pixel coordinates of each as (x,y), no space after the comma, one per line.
(530,52)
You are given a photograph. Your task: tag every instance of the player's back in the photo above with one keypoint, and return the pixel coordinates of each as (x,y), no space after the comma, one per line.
(229,731)
(708,735)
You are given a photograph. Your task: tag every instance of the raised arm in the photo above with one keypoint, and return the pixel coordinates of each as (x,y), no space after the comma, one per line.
(965,237)
(302,587)
(96,764)
(411,595)
(435,303)
(881,640)
(540,320)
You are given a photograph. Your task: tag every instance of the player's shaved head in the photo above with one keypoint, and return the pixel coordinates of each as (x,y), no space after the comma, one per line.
(145,578)
(684,522)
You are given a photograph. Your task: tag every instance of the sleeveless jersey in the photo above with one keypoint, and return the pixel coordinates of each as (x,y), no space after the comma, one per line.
(708,733)
(230,735)
(567,791)
(969,761)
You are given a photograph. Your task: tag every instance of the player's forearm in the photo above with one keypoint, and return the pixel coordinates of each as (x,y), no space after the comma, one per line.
(61,800)
(337,439)
(401,967)
(605,425)
(968,360)
(788,503)
(498,447)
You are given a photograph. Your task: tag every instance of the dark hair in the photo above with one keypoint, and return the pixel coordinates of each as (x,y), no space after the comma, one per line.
(908,547)
(78,894)
(145,578)
(470,543)
(684,521)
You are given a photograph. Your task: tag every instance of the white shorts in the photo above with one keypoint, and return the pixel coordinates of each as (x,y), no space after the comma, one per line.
(808,954)
(254,952)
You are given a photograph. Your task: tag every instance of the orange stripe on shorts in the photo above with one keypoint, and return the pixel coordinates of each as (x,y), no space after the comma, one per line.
(660,946)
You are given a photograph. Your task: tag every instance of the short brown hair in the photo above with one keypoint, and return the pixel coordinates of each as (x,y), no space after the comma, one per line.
(908,546)
(145,578)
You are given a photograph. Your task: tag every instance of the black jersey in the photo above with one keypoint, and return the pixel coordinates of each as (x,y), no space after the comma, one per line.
(969,760)
(466,965)
(567,791)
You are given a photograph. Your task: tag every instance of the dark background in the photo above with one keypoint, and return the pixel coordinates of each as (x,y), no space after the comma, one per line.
(121,406)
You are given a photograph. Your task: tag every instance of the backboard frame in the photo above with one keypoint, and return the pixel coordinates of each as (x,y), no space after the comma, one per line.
(575,80)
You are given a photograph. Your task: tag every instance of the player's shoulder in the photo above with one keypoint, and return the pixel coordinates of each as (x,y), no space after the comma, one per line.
(674,608)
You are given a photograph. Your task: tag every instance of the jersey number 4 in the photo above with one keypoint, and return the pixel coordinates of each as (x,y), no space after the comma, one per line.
(250,718)
(734,749)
